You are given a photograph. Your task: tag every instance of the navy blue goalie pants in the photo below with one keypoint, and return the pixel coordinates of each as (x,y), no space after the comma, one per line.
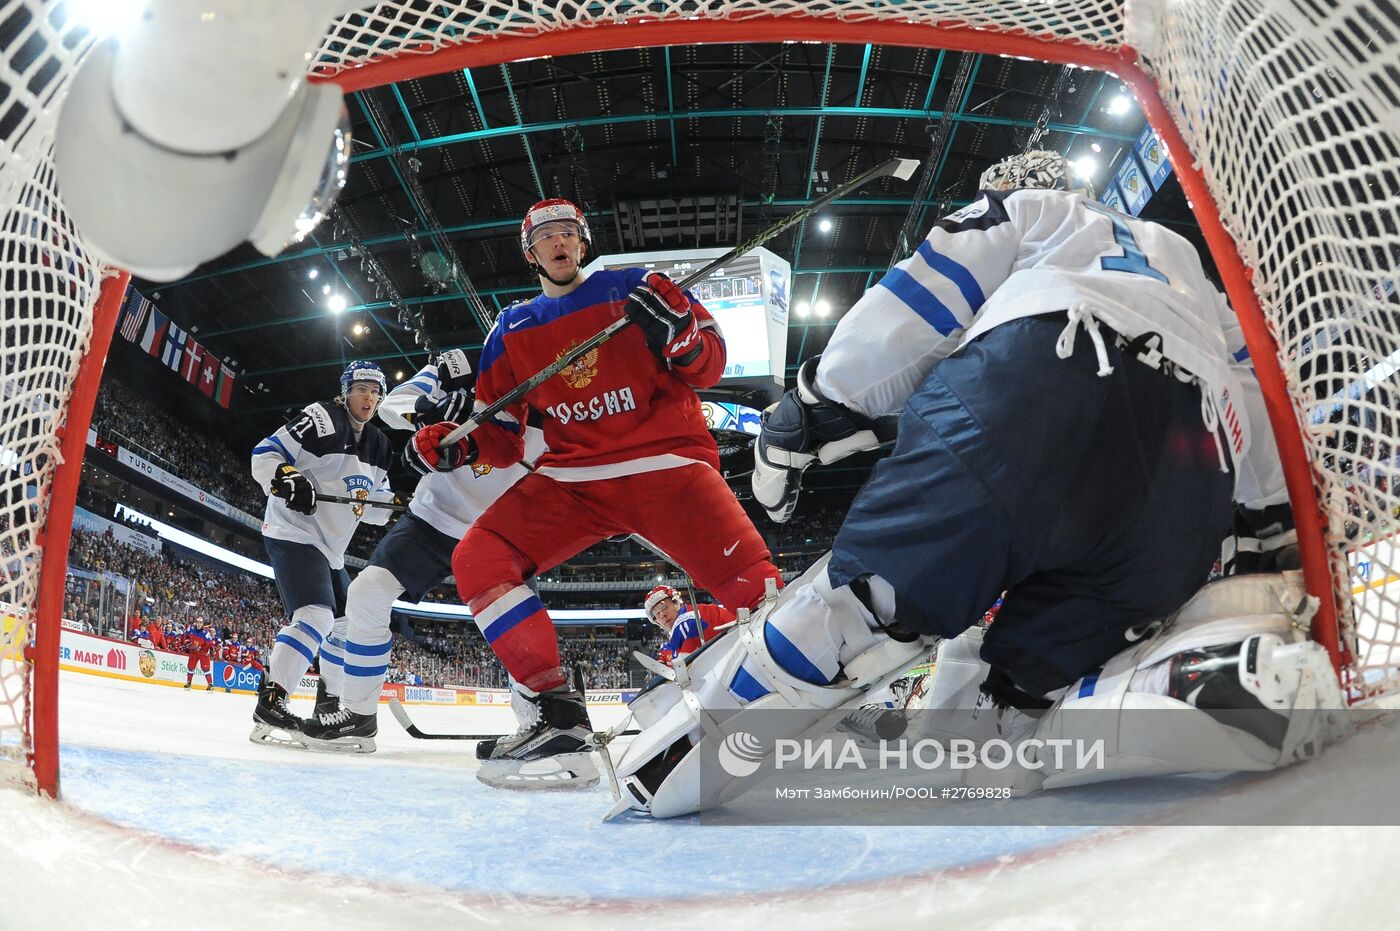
(1097,504)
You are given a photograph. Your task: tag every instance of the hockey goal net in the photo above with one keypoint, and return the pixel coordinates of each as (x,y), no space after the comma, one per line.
(1283,124)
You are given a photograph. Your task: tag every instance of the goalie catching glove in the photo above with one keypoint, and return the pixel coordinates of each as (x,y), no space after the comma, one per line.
(294,488)
(663,312)
(422,453)
(802,428)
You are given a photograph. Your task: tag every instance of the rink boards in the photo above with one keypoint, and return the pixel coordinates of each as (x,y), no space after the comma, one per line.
(130,662)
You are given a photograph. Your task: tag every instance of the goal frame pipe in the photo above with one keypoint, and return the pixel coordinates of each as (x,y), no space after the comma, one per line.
(1120,61)
(58,531)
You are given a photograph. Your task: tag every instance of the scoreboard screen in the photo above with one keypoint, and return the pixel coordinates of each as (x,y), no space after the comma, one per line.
(748,298)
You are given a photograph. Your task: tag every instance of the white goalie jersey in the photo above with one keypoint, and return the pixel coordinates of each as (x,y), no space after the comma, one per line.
(1026,252)
(452,501)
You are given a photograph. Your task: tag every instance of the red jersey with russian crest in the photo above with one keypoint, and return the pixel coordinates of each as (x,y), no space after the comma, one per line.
(618,410)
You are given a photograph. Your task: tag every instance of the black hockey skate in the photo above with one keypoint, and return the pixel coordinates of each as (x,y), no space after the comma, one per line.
(341,730)
(326,703)
(273,721)
(551,752)
(873,723)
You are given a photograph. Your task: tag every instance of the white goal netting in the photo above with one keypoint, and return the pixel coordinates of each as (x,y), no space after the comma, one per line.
(1290,110)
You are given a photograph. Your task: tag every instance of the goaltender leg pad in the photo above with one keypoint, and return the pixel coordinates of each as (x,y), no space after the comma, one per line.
(956,705)
(1231,682)
(762,668)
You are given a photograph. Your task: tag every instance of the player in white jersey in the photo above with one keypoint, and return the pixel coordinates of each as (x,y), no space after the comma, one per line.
(417,553)
(1071,425)
(333,449)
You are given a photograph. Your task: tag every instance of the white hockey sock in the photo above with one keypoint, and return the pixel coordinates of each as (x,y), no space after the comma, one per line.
(297,645)
(367,640)
(333,658)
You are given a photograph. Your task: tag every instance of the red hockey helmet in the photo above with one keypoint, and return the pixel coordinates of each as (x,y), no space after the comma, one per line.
(551,211)
(658,596)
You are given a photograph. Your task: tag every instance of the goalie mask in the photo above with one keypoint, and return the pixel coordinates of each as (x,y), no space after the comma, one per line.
(1046,171)
(656,598)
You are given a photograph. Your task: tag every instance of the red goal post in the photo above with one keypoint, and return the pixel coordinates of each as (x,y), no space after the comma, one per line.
(1282,121)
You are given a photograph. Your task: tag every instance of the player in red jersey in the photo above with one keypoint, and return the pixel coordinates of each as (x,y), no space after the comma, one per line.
(688,627)
(629,452)
(198,645)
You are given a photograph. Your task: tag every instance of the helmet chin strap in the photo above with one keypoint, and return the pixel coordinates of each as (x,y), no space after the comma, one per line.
(539,270)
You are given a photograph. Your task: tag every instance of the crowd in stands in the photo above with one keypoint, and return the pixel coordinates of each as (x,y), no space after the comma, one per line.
(134,421)
(173,592)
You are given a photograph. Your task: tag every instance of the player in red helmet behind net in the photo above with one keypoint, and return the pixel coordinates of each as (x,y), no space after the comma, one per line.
(627,442)
(688,627)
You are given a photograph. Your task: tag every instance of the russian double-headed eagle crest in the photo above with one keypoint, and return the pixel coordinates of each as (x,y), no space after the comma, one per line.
(582,370)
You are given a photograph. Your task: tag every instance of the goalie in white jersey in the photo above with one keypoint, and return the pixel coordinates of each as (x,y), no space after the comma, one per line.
(1073,423)
(416,554)
(328,449)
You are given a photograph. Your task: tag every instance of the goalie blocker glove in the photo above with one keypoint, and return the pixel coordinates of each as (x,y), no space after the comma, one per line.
(426,411)
(802,428)
(294,488)
(422,453)
(663,312)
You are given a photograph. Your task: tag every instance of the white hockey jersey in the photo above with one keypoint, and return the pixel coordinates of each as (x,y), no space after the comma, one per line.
(1020,253)
(321,443)
(452,501)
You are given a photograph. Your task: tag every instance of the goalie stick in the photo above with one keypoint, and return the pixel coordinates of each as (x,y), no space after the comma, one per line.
(401,715)
(901,168)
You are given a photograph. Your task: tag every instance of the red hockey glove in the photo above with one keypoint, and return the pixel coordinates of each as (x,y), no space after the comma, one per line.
(422,453)
(663,312)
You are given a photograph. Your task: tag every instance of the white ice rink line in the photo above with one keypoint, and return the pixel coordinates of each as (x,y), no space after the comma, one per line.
(210,836)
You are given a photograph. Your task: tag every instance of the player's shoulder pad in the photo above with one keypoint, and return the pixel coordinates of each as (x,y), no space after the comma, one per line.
(320,418)
(628,278)
(987,211)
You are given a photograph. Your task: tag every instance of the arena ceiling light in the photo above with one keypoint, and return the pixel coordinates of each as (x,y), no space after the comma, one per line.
(312,274)
(803,308)
(1120,105)
(822,307)
(824,225)
(336,303)
(1085,167)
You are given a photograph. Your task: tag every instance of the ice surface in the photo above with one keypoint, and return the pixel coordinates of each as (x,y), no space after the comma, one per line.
(172,819)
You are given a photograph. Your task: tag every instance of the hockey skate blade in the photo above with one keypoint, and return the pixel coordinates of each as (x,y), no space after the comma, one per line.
(566,771)
(268,736)
(341,745)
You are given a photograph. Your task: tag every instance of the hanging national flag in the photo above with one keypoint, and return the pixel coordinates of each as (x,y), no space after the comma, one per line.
(194,358)
(153,337)
(209,374)
(133,316)
(174,348)
(225,390)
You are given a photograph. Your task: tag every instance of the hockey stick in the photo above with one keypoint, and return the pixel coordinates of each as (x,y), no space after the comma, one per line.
(337,499)
(401,715)
(901,168)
